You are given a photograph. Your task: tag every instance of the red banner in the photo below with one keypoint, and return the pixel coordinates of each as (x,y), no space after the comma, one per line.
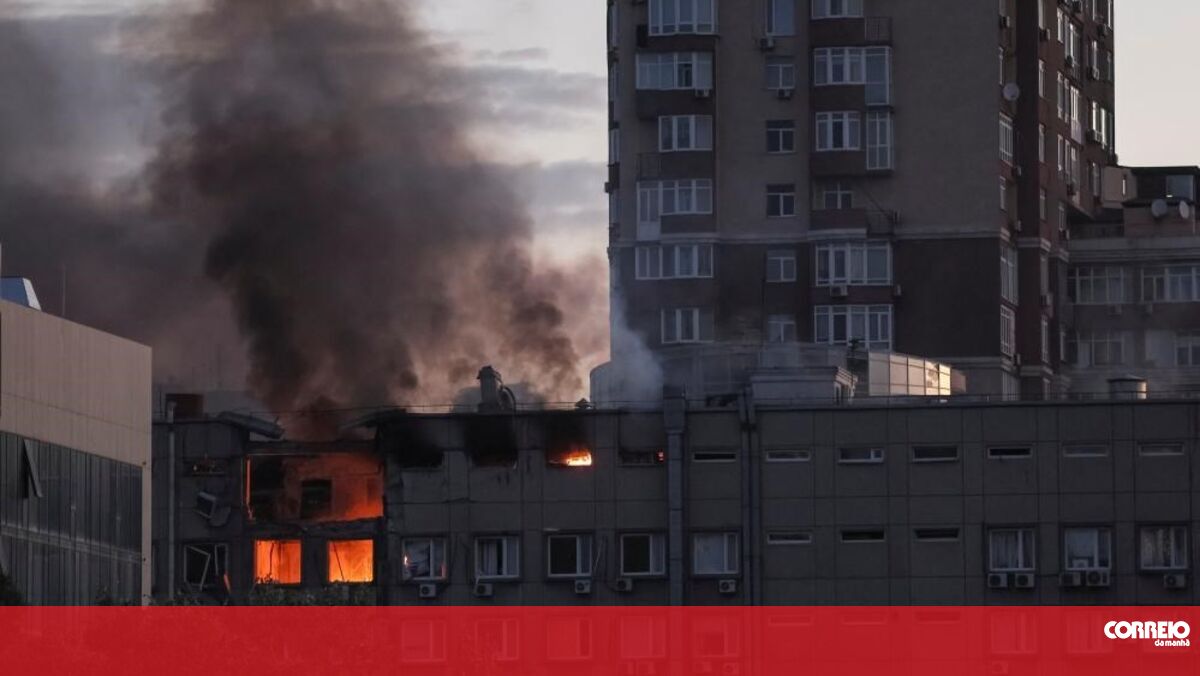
(627,641)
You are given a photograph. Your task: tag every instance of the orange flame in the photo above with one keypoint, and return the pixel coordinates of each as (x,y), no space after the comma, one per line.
(351,561)
(277,561)
(575,458)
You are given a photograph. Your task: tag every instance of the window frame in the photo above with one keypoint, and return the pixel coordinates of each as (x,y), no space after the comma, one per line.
(727,538)
(585,556)
(1172,565)
(876,455)
(1102,548)
(656,541)
(1027,561)
(514,551)
(431,540)
(838,131)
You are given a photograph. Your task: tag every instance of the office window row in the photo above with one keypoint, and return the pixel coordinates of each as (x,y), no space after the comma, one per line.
(949,453)
(498,558)
(1113,284)
(674,261)
(1161,548)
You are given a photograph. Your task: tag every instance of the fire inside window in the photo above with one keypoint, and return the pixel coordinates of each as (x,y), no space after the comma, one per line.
(572,456)
(351,561)
(277,561)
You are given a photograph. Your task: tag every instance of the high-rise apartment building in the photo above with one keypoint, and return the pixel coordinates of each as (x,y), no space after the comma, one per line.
(900,176)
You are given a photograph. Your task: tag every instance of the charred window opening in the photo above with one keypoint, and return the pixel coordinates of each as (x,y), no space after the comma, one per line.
(316,498)
(322,487)
(205,566)
(208,467)
(642,457)
(491,440)
(277,561)
(206,504)
(351,561)
(567,442)
(410,445)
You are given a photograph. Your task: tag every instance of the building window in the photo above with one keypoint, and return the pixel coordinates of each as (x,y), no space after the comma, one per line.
(424,559)
(833,195)
(1042,152)
(205,566)
(715,554)
(839,66)
(678,70)
(1006,138)
(1097,285)
(674,17)
(1187,348)
(854,264)
(869,326)
(643,554)
(781,200)
(781,267)
(1008,331)
(351,561)
(879,75)
(781,329)
(861,456)
(781,17)
(674,198)
(1011,550)
(714,456)
(1159,450)
(789,538)
(836,9)
(781,73)
(1009,453)
(1171,284)
(1163,547)
(569,556)
(879,140)
(1008,273)
(1100,348)
(1045,341)
(686,325)
(863,536)
(685,132)
(839,131)
(1085,450)
(1003,194)
(1087,549)
(614,146)
(674,261)
(277,562)
(781,136)
(1181,187)
(1042,79)
(497,557)
(791,455)
(936,534)
(923,454)
(1042,204)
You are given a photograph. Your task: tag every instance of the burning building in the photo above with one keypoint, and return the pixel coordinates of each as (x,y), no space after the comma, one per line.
(238,508)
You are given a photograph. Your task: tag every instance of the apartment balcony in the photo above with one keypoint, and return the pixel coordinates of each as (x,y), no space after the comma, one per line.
(654,103)
(864,31)
(682,42)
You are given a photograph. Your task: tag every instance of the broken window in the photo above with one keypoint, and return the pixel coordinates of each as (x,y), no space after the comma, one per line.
(410,443)
(205,566)
(491,440)
(424,559)
(206,504)
(316,498)
(33,482)
(351,561)
(569,556)
(567,440)
(277,561)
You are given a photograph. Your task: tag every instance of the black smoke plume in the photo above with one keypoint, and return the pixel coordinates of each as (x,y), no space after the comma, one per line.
(315,180)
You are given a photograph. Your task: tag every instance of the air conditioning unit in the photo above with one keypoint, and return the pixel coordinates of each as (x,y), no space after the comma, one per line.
(1069,61)
(727,586)
(897,291)
(646,669)
(1005,22)
(785,93)
(484,590)
(609,186)
(1094,73)
(1175,581)
(704,667)
(624,584)
(1115,310)
(1044,34)
(999,669)
(731,669)
(1024,581)
(1092,136)
(427,591)
(1072,579)
(583,587)
(997,580)
(1148,309)
(839,292)
(1099,578)
(703,93)
(766,44)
